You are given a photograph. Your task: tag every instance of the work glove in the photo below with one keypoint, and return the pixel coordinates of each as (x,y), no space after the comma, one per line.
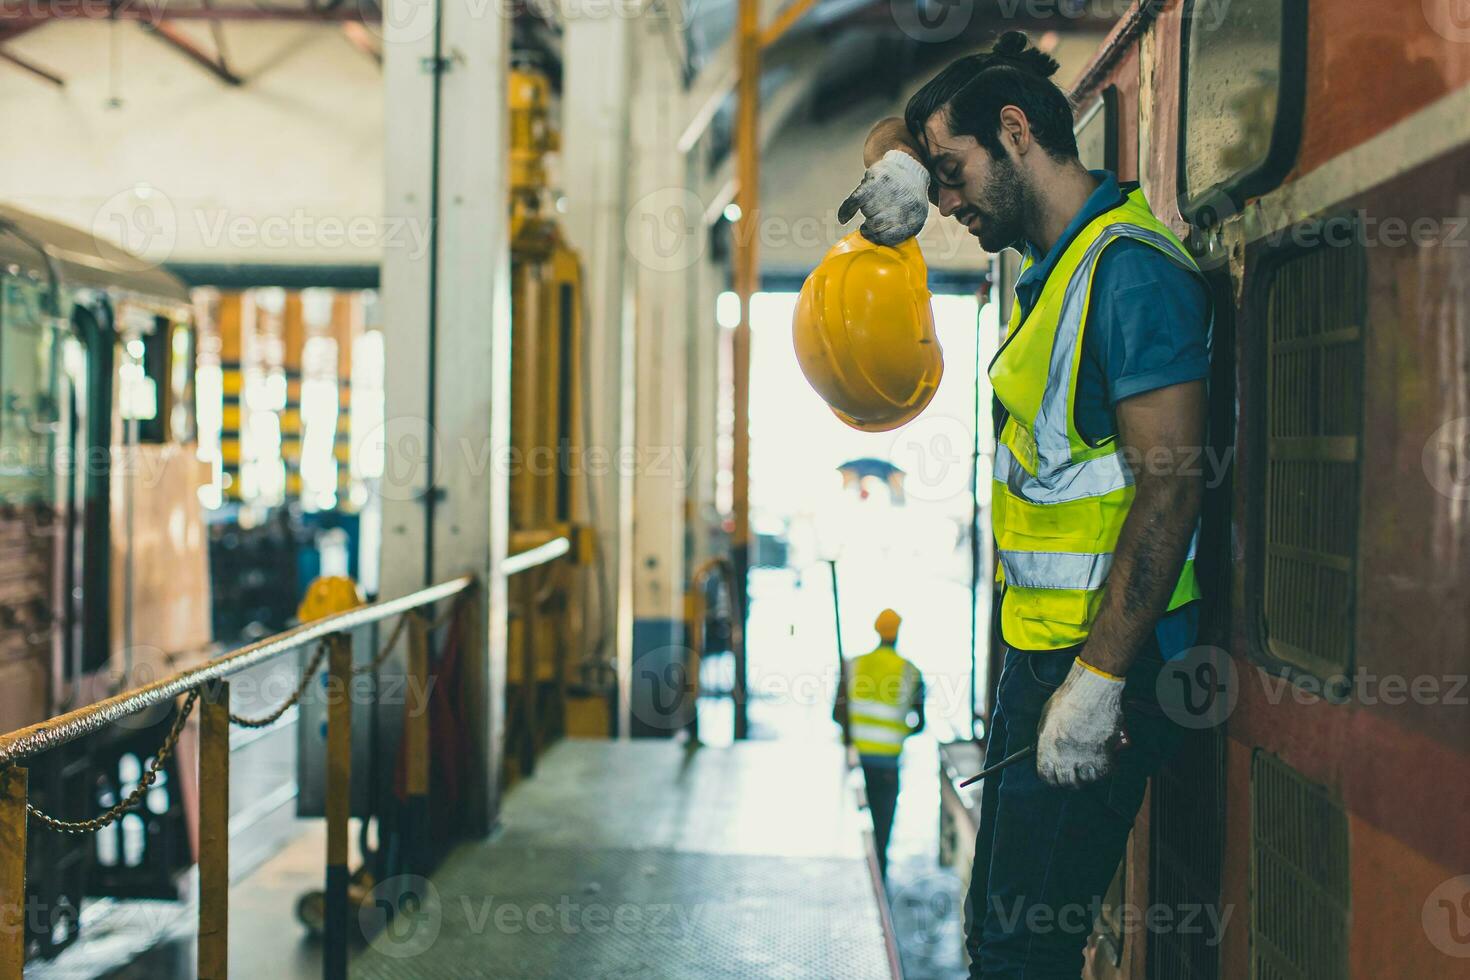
(894,197)
(1081,727)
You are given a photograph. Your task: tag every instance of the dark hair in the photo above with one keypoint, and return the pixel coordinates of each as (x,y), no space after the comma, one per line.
(972,91)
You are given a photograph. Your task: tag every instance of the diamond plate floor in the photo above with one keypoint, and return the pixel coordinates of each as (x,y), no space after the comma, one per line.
(623,860)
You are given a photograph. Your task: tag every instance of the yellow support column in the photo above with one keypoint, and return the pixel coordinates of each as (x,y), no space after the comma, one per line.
(747,281)
(347,326)
(293,335)
(214,831)
(339,804)
(12,872)
(230,322)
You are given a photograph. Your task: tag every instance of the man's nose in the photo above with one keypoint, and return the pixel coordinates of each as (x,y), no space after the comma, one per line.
(949,201)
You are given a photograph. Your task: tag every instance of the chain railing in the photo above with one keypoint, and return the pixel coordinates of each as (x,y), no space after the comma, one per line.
(208,685)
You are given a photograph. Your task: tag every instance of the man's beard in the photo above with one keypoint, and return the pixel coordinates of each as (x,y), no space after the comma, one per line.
(1003,205)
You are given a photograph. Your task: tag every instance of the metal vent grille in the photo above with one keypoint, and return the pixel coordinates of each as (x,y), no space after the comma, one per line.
(1314,380)
(1184,855)
(1299,876)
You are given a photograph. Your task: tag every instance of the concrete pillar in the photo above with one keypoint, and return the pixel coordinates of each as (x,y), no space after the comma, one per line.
(447,332)
(705,339)
(665,239)
(597,66)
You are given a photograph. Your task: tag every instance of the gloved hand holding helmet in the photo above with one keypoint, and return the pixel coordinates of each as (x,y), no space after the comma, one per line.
(894,198)
(864,333)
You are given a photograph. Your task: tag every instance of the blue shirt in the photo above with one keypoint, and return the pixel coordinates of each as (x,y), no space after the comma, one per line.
(1148,327)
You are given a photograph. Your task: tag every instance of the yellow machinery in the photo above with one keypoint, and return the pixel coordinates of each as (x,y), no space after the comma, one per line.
(550,644)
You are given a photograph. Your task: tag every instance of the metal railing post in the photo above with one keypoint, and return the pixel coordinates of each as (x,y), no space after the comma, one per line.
(214,831)
(416,739)
(12,871)
(339,803)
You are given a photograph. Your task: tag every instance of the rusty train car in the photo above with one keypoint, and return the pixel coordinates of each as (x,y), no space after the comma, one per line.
(1316,159)
(104,578)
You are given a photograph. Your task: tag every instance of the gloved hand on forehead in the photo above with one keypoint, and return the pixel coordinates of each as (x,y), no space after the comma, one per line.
(1081,727)
(894,198)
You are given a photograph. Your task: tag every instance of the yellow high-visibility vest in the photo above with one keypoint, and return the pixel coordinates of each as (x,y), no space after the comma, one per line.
(1058,502)
(880,695)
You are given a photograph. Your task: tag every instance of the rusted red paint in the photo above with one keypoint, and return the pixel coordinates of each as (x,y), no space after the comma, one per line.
(1368,66)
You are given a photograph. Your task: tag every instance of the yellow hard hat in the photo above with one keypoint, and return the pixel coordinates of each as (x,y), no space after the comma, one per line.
(864,333)
(329,594)
(887,624)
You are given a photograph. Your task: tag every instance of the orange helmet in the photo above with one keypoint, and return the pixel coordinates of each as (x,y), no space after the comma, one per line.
(864,333)
(887,625)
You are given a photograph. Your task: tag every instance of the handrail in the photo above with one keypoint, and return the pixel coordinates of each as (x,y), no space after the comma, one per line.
(539,555)
(74,724)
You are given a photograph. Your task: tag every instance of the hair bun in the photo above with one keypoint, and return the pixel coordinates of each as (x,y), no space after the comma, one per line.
(1014,48)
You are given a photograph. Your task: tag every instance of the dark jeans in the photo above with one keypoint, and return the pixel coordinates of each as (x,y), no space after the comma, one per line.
(1044,856)
(882,791)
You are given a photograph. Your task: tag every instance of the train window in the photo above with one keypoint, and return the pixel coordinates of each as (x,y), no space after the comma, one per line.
(182,426)
(1299,875)
(1241,106)
(28,390)
(1314,312)
(1097,132)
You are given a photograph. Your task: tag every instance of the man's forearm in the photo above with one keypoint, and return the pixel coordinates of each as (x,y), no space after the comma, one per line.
(889,134)
(1147,559)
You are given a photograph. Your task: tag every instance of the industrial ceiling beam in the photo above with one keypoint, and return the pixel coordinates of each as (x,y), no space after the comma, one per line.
(10,34)
(182,43)
(150,14)
(31,67)
(785,20)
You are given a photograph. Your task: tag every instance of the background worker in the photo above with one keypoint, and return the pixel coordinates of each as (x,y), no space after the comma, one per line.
(1102,370)
(876,696)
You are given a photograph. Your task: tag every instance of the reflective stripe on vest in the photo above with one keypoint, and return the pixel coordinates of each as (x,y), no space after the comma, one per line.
(880,694)
(1058,502)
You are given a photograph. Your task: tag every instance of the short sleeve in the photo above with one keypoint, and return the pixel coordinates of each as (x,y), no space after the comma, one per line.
(1149,322)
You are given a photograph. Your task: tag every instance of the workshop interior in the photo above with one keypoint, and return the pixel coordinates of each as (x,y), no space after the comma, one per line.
(735,489)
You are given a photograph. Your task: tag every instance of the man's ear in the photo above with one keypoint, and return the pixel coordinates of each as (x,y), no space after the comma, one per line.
(1015,130)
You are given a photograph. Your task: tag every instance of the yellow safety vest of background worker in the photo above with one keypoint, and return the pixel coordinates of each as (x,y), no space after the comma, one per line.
(876,696)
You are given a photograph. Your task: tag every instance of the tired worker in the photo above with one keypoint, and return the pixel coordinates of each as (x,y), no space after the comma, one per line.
(1100,413)
(876,697)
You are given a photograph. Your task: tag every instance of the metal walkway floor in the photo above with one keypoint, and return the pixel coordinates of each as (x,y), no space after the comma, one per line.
(639,860)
